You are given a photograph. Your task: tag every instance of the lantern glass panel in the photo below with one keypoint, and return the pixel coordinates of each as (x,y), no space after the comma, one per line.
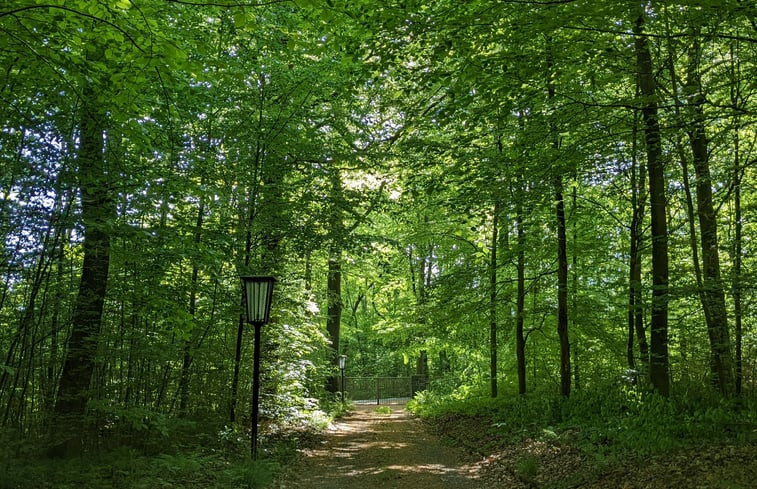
(258,293)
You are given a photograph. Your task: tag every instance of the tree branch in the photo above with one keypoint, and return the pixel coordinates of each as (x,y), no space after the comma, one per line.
(230,4)
(79,13)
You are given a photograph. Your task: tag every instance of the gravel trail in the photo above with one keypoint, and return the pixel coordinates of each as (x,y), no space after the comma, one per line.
(369,450)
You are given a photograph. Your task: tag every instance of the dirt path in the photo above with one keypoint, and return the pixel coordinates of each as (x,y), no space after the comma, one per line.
(368,450)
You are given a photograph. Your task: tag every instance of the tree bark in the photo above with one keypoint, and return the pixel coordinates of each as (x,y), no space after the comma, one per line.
(520,340)
(98,212)
(187,349)
(493,301)
(658,362)
(635,306)
(334,278)
(737,252)
(713,294)
(251,216)
(690,215)
(738,225)
(574,286)
(562,290)
(562,249)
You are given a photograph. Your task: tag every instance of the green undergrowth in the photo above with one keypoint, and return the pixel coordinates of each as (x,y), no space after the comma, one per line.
(383,410)
(199,454)
(607,422)
(336,408)
(127,468)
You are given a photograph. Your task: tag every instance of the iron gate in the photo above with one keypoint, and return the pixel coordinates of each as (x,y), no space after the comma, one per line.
(383,390)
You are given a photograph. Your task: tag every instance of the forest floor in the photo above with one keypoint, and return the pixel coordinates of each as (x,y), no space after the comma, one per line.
(370,449)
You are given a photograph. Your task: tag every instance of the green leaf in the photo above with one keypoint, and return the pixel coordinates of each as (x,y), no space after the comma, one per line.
(242,20)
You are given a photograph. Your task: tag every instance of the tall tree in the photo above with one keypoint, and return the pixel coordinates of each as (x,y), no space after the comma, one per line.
(735,97)
(712,294)
(562,241)
(493,297)
(520,339)
(334,274)
(98,214)
(635,297)
(658,361)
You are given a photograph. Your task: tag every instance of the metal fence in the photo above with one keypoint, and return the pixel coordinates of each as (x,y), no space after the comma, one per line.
(383,390)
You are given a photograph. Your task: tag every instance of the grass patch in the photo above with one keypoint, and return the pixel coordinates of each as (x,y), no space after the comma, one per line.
(527,466)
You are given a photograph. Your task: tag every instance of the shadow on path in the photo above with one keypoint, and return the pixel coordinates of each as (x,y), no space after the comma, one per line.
(369,450)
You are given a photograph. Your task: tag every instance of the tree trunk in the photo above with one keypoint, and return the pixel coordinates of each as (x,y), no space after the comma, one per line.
(574,287)
(690,215)
(20,348)
(738,225)
(562,290)
(187,350)
(251,216)
(713,294)
(334,278)
(562,249)
(737,252)
(635,306)
(98,213)
(5,219)
(520,340)
(658,362)
(493,300)
(237,362)
(334,311)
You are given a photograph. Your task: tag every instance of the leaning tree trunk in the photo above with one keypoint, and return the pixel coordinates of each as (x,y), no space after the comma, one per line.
(98,212)
(658,361)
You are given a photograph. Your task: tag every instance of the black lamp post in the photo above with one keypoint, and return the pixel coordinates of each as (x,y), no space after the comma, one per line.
(342,361)
(257,292)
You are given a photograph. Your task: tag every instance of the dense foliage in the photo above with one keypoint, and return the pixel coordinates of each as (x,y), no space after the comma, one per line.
(531,196)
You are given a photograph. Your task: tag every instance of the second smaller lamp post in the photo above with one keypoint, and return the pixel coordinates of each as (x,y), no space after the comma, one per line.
(258,292)
(342,361)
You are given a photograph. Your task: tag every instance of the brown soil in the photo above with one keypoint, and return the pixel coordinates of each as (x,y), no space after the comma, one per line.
(556,463)
(370,450)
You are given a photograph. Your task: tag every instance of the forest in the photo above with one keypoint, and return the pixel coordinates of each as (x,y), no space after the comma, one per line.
(546,207)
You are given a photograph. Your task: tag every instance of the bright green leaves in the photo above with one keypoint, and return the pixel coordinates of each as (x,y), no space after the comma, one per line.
(244,19)
(170,52)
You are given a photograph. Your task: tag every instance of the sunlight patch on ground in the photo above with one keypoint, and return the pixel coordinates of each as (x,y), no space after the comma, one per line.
(428,468)
(375,450)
